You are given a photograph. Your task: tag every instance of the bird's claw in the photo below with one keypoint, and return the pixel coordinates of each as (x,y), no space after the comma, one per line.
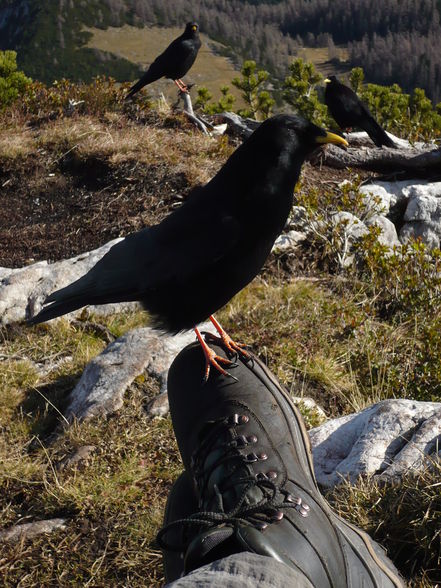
(228,343)
(212,359)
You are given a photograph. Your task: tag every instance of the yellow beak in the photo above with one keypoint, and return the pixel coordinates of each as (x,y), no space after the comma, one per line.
(194,28)
(331,138)
(327,81)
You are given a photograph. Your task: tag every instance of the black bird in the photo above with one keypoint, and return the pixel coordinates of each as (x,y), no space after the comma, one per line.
(174,62)
(192,263)
(349,111)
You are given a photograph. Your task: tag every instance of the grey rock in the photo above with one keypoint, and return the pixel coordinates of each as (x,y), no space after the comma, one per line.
(23,290)
(288,241)
(158,406)
(427,232)
(389,194)
(30,530)
(101,388)
(298,219)
(388,235)
(353,226)
(352,230)
(423,207)
(304,402)
(423,214)
(387,440)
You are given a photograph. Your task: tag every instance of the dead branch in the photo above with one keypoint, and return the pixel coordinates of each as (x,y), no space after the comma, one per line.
(381,160)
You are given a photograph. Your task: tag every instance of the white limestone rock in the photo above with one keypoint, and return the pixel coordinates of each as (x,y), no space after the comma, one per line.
(427,232)
(23,290)
(389,194)
(31,530)
(388,235)
(288,241)
(387,440)
(101,388)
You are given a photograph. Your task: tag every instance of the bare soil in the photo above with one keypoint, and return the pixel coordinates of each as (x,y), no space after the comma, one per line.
(80,204)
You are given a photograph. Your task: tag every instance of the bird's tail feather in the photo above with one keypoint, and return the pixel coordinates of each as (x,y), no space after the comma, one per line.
(147,78)
(83,292)
(57,309)
(377,134)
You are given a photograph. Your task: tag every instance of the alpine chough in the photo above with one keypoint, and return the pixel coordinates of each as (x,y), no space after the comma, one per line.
(192,263)
(174,62)
(349,111)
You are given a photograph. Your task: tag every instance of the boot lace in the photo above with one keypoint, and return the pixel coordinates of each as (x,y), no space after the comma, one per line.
(246,511)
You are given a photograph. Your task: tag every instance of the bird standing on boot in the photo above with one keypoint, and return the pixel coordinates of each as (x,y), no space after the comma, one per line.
(174,62)
(349,111)
(192,263)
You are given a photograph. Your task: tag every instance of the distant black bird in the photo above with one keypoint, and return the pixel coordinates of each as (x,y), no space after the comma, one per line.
(349,111)
(174,62)
(193,262)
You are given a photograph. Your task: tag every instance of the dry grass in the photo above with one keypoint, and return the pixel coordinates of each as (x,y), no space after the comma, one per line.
(15,142)
(118,140)
(113,503)
(405,517)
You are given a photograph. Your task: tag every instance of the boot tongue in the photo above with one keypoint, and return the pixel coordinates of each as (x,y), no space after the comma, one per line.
(209,546)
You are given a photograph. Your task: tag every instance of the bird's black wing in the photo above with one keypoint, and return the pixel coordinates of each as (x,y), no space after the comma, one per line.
(171,252)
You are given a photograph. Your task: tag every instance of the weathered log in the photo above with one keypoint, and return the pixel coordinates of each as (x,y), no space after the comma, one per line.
(381,160)
(242,127)
(188,111)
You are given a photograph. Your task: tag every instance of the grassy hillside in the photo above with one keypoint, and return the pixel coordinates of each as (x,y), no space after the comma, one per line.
(347,338)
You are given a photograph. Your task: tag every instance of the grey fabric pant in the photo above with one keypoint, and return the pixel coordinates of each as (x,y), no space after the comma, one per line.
(243,570)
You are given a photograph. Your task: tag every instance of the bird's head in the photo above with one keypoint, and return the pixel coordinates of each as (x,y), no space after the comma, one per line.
(297,136)
(273,155)
(191,28)
(330,80)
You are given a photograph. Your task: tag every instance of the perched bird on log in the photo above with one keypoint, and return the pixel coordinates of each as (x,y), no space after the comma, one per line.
(174,62)
(349,111)
(192,263)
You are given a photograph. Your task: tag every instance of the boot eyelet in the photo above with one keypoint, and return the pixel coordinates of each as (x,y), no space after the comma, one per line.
(262,456)
(261,526)
(291,498)
(243,419)
(241,441)
(251,458)
(252,439)
(277,516)
(272,475)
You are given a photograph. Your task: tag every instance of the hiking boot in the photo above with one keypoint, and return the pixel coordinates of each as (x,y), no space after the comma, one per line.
(249,483)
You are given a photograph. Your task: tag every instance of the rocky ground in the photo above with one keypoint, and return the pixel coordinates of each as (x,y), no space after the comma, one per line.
(88,452)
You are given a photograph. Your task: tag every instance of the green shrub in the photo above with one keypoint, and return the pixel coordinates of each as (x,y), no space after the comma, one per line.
(252,85)
(13,83)
(224,104)
(101,95)
(300,93)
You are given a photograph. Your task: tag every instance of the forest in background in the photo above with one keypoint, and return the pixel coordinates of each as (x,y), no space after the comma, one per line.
(393,40)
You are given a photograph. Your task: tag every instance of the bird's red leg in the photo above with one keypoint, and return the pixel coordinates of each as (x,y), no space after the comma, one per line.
(181,86)
(227,340)
(212,359)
